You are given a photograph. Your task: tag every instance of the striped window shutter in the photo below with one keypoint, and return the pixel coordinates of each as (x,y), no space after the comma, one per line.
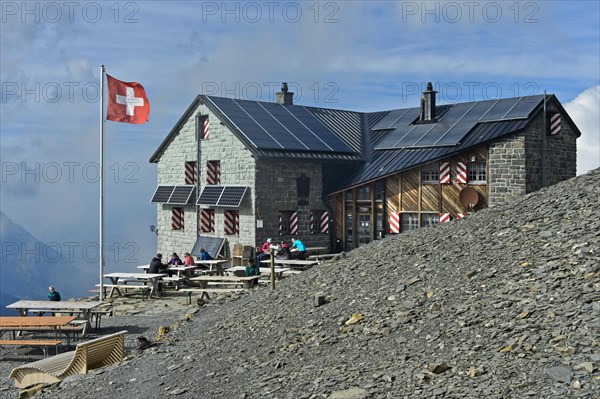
(461,172)
(461,215)
(554,124)
(445,173)
(207,220)
(206,131)
(177,219)
(319,222)
(191,172)
(444,217)
(213,172)
(232,222)
(394,222)
(294,223)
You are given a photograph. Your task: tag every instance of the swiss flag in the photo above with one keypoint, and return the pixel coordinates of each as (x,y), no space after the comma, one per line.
(127,102)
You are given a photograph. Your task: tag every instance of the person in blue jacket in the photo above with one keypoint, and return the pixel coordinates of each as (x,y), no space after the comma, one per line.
(298,249)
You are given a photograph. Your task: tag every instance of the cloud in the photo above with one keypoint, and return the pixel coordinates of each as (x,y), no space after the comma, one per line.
(585,112)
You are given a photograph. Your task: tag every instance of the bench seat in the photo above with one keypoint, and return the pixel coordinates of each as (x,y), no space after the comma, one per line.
(43,343)
(206,291)
(89,355)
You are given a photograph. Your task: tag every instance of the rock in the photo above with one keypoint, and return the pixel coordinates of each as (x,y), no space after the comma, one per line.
(438,368)
(319,299)
(351,393)
(560,374)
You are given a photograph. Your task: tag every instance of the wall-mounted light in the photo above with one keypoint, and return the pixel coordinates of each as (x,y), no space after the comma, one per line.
(473,158)
(154,229)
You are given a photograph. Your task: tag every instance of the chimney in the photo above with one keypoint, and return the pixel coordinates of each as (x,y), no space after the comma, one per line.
(428,105)
(284,97)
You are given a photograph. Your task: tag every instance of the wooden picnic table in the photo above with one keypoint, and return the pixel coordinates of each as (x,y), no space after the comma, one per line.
(293,263)
(35,321)
(151,278)
(247,281)
(213,263)
(322,257)
(264,271)
(180,269)
(82,307)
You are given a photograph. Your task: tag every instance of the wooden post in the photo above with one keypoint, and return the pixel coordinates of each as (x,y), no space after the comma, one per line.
(272,268)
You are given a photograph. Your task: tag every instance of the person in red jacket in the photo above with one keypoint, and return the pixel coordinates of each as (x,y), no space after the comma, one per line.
(266,251)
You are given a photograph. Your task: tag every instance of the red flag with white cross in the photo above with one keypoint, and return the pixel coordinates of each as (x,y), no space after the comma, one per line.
(127,102)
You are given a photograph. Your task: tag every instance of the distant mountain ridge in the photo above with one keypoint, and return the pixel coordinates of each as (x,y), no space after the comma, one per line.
(28,266)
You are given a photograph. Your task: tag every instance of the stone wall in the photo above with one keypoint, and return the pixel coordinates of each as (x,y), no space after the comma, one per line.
(237,168)
(561,153)
(171,170)
(507,169)
(276,191)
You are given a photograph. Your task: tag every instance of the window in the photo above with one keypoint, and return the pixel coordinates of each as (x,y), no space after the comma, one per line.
(319,222)
(363,193)
(202,127)
(232,222)
(349,195)
(476,172)
(410,221)
(177,219)
(207,220)
(380,190)
(213,172)
(191,172)
(288,222)
(429,219)
(430,173)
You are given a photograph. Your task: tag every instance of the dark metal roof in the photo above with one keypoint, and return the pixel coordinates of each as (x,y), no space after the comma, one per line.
(385,162)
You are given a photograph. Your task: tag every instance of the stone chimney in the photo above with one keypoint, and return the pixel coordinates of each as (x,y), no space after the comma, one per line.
(428,105)
(284,97)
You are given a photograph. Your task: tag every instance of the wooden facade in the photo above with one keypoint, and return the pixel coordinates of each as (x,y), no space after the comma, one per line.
(407,195)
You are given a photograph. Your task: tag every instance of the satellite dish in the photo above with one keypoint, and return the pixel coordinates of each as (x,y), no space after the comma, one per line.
(469,197)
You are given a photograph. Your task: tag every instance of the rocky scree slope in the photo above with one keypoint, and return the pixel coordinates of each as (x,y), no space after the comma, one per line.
(502,304)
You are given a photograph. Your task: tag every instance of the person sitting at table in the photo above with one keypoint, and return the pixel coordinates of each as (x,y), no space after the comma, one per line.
(252,269)
(284,252)
(298,249)
(266,251)
(53,295)
(204,255)
(156,265)
(188,259)
(175,260)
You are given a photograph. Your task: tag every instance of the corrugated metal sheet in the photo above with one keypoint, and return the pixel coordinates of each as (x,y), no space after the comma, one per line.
(344,124)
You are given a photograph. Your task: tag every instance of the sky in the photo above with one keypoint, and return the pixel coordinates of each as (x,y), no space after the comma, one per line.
(355,55)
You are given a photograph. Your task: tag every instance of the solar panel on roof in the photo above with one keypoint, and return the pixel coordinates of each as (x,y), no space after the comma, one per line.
(524,107)
(455,134)
(265,117)
(387,121)
(181,195)
(499,109)
(210,195)
(409,117)
(162,194)
(232,196)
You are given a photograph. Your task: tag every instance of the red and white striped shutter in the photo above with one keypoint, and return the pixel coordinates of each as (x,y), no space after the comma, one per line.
(555,124)
(232,222)
(461,172)
(461,215)
(280,224)
(294,223)
(394,222)
(445,172)
(177,219)
(313,215)
(213,172)
(206,132)
(444,217)
(207,220)
(191,172)
(324,227)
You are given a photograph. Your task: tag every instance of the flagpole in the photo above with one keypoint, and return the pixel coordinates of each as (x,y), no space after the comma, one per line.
(101,249)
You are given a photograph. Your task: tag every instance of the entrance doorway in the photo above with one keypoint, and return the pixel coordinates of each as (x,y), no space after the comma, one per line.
(364,228)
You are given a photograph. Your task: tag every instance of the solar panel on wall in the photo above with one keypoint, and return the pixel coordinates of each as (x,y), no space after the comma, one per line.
(181,195)
(232,196)
(210,195)
(162,194)
(212,245)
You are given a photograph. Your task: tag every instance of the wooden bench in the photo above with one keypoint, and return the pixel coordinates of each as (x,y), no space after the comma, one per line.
(206,291)
(87,356)
(176,281)
(143,288)
(43,343)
